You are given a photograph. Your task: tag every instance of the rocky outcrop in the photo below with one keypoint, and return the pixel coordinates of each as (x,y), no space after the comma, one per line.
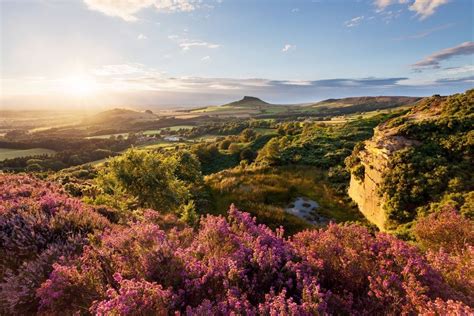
(375,158)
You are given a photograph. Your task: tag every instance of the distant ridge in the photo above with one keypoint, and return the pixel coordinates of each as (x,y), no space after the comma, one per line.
(361,104)
(119,116)
(378,100)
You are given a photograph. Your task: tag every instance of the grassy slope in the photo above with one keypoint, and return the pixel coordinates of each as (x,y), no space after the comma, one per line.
(265,192)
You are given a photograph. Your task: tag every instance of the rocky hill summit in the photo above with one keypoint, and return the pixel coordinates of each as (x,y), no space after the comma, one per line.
(416,162)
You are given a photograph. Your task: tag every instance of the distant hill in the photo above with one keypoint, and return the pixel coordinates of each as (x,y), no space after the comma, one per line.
(252,106)
(120,116)
(361,104)
(248,101)
(247,106)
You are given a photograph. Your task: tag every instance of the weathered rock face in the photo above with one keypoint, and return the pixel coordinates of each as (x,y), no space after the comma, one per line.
(438,131)
(375,158)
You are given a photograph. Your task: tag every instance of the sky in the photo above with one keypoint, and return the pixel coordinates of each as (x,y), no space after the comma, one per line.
(160,53)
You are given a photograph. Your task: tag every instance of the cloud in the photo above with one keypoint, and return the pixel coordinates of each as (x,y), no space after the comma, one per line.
(127,9)
(458,70)
(468,79)
(425,8)
(188,44)
(295,10)
(354,21)
(382,4)
(142,37)
(422,8)
(138,86)
(206,58)
(434,60)
(425,33)
(288,47)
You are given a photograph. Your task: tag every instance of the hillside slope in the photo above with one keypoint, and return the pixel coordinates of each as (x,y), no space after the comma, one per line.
(417,162)
(120,116)
(360,104)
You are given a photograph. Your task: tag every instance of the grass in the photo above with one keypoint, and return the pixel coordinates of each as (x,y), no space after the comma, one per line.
(266,192)
(265,131)
(171,128)
(106,136)
(160,144)
(7,153)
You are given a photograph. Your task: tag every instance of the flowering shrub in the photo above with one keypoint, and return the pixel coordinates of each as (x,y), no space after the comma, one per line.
(444,229)
(448,238)
(39,225)
(226,266)
(237,266)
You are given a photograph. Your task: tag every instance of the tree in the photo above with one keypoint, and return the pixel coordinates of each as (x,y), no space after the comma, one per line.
(188,213)
(147,176)
(247,154)
(248,135)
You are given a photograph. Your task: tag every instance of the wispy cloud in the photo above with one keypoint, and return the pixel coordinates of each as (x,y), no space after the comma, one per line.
(295,10)
(422,8)
(425,8)
(128,9)
(458,70)
(468,79)
(186,44)
(206,58)
(137,85)
(433,61)
(288,47)
(354,21)
(142,37)
(425,33)
(382,4)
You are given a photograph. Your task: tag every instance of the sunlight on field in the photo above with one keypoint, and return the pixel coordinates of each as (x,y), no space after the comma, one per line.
(7,153)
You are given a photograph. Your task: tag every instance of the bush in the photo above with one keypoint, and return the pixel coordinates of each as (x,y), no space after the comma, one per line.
(235,266)
(39,225)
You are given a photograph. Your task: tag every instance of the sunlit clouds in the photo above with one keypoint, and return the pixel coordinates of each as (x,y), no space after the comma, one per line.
(422,8)
(288,47)
(128,9)
(434,60)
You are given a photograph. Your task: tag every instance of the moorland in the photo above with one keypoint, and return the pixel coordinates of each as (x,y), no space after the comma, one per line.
(247,207)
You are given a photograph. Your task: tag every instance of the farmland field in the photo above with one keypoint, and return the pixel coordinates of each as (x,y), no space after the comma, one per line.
(125,135)
(8,153)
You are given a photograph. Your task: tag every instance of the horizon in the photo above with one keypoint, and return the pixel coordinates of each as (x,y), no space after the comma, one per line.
(169,54)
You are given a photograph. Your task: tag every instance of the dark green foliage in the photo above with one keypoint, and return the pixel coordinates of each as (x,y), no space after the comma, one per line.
(158,180)
(320,145)
(439,170)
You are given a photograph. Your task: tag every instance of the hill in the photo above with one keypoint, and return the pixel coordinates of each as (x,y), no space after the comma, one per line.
(246,107)
(120,116)
(360,104)
(248,101)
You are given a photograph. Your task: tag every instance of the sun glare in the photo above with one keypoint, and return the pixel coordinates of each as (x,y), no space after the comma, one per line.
(81,86)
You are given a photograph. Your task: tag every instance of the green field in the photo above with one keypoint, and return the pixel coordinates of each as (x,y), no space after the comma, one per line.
(8,153)
(171,128)
(265,131)
(125,135)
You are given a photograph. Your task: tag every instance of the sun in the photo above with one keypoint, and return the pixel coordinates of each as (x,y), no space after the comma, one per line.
(80,86)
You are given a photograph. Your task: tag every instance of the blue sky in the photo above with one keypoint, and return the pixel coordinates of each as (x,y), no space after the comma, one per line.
(185,52)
